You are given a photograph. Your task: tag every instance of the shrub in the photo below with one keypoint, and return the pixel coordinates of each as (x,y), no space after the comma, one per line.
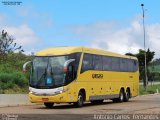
(156,76)
(9,80)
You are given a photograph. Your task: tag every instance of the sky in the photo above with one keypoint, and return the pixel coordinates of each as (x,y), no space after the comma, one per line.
(113,25)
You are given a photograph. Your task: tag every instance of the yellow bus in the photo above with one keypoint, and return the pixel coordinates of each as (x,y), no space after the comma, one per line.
(78,74)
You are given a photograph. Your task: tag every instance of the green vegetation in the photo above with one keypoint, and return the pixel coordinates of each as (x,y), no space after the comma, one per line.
(156,68)
(12,79)
(151,89)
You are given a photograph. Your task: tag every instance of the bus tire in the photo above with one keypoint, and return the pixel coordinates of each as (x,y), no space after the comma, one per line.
(127,96)
(80,101)
(48,105)
(96,101)
(121,96)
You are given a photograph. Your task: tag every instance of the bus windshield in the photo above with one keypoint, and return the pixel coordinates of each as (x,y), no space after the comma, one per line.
(48,72)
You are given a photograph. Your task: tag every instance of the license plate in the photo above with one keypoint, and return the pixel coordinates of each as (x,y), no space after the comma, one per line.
(45,99)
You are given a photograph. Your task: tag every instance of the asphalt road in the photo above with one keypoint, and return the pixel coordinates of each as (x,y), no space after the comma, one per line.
(148,104)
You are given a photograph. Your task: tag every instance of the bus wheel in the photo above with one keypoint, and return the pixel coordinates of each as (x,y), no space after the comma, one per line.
(48,105)
(80,101)
(96,101)
(121,96)
(127,95)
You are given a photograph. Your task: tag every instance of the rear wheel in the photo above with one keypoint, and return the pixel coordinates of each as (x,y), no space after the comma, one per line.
(120,98)
(127,96)
(48,105)
(80,101)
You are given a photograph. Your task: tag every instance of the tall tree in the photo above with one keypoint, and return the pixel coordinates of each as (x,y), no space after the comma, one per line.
(7,45)
(141,59)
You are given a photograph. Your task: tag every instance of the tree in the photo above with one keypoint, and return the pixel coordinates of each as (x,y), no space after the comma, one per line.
(8,45)
(130,54)
(141,59)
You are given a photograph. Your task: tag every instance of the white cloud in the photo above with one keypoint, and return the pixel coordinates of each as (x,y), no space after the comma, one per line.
(154,38)
(23,34)
(120,39)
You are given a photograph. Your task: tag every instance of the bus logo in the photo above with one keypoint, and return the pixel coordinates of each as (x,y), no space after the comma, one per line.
(100,76)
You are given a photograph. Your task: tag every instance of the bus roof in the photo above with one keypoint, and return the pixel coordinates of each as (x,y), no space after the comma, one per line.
(68,50)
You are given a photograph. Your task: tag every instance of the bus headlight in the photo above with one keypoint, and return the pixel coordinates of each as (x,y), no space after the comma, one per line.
(66,89)
(61,91)
(44,92)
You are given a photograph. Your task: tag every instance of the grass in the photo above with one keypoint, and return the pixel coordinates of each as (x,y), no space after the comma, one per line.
(151,89)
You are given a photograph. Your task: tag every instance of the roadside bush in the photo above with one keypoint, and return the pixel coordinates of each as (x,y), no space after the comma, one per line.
(156,76)
(12,80)
(9,80)
(6,68)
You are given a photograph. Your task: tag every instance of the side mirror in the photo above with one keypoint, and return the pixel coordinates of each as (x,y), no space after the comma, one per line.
(65,68)
(24,66)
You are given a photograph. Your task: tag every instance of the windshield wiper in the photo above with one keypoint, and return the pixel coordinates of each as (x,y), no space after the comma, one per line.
(42,76)
(47,73)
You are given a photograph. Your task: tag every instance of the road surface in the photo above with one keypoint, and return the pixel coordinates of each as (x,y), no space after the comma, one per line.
(147,104)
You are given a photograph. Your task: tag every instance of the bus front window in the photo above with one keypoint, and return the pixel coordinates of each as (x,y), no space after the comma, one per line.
(48,72)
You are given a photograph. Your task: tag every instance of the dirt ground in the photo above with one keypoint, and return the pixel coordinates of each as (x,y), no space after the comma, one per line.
(147,104)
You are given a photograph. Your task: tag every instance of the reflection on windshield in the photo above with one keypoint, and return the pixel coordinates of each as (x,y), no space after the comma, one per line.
(48,71)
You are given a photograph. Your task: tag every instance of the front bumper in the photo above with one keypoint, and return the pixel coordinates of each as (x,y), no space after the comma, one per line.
(59,98)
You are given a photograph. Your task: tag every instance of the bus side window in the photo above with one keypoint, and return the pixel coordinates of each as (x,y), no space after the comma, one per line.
(76,56)
(73,67)
(87,63)
(107,62)
(123,65)
(135,68)
(115,64)
(97,62)
(130,65)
